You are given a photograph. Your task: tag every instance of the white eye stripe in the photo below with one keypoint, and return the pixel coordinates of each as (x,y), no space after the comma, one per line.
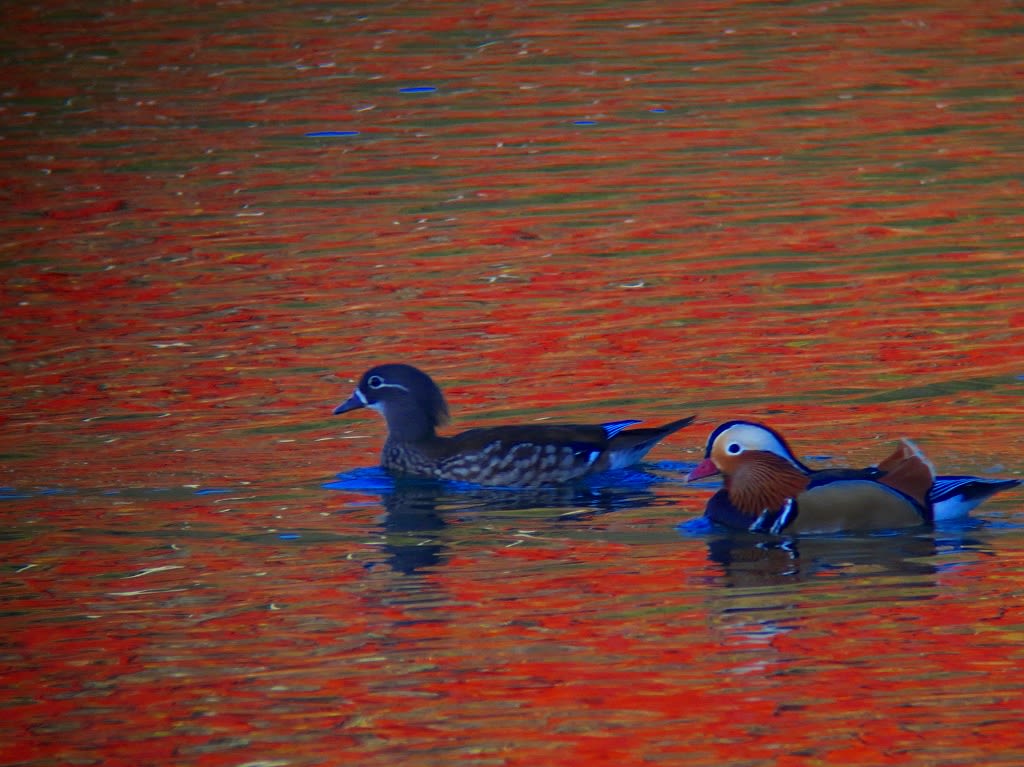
(392,386)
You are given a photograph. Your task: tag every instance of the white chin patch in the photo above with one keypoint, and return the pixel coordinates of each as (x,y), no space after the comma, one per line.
(375,406)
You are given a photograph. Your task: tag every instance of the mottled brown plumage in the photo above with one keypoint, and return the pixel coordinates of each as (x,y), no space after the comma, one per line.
(510,456)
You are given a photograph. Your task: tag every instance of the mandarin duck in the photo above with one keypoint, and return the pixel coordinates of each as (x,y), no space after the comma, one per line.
(767,489)
(506,456)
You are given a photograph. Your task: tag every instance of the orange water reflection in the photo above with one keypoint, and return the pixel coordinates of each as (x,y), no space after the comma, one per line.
(808,214)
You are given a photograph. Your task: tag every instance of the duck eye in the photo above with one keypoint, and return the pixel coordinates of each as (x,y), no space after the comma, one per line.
(375,382)
(734,448)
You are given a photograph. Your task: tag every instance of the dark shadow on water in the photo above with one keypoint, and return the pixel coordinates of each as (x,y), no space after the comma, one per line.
(765,587)
(748,561)
(418,510)
(753,560)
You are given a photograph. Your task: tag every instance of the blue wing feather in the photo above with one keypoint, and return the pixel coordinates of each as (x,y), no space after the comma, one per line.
(614,427)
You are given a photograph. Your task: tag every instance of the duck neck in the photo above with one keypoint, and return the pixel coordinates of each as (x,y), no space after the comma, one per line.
(407,423)
(764,481)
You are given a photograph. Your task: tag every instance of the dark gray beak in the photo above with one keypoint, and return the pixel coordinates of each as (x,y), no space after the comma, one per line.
(352,403)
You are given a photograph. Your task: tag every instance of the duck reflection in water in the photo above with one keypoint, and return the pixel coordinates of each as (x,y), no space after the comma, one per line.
(748,559)
(774,587)
(421,514)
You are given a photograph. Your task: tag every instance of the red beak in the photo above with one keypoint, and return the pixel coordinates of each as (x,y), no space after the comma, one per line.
(705,468)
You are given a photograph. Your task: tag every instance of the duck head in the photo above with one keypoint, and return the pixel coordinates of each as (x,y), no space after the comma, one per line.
(411,403)
(758,468)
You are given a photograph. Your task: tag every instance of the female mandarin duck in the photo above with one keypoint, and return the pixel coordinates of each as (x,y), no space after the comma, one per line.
(768,490)
(508,456)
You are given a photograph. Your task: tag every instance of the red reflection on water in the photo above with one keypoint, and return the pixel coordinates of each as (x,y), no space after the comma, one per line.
(820,228)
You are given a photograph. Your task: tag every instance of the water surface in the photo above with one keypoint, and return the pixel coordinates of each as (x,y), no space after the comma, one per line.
(219,216)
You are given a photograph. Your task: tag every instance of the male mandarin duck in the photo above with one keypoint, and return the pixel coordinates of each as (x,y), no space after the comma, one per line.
(508,456)
(767,489)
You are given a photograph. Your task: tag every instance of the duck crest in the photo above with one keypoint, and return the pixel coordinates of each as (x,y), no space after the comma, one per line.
(764,481)
(432,403)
